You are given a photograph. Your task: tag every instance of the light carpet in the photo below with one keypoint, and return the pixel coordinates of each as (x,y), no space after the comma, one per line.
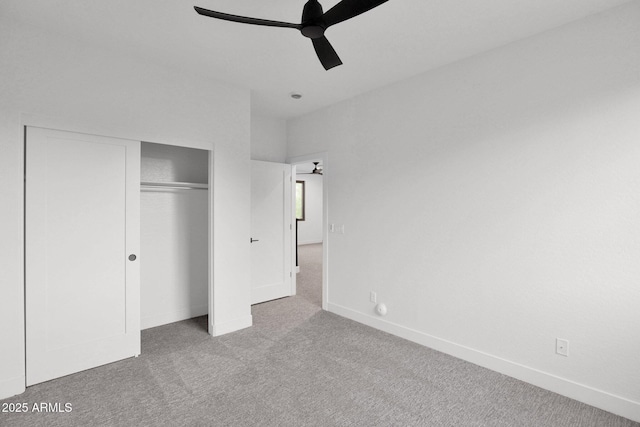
(297,366)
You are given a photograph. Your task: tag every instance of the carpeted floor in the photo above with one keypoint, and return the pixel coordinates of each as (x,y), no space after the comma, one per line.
(297,366)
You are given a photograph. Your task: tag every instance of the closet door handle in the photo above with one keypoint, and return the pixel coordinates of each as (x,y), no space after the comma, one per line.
(253,240)
(132,257)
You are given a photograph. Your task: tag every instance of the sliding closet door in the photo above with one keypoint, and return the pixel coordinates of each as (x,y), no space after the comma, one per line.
(81,247)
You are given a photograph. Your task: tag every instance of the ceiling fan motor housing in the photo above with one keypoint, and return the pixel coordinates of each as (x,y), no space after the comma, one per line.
(312,26)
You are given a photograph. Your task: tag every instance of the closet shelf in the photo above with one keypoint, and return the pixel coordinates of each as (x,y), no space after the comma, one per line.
(177,185)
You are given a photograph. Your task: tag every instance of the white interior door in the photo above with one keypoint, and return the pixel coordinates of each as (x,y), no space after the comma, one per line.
(82,292)
(271,231)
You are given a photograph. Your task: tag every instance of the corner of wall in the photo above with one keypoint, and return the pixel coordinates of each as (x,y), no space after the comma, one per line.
(230,326)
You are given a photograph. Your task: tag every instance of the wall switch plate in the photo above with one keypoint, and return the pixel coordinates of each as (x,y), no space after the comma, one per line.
(562,347)
(332,228)
(373,297)
(341,229)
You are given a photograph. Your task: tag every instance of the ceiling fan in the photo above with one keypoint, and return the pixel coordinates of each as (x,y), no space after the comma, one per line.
(314,23)
(316,170)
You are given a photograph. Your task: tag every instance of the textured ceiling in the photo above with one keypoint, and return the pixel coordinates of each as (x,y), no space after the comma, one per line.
(399,39)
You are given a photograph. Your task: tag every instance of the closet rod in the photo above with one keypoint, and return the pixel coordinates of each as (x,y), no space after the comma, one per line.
(176,185)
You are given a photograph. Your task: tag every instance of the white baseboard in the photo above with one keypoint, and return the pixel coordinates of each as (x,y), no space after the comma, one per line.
(12,387)
(580,392)
(230,326)
(271,292)
(173,316)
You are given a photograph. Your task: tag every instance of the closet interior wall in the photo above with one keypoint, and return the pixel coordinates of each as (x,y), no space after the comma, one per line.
(174,233)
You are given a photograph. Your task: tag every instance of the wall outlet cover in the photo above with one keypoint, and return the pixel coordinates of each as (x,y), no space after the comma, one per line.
(562,347)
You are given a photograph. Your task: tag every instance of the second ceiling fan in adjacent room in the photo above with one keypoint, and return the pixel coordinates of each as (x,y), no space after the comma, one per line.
(316,170)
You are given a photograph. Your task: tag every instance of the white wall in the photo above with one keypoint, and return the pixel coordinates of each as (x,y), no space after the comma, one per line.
(493,205)
(53,81)
(268,139)
(170,163)
(310,230)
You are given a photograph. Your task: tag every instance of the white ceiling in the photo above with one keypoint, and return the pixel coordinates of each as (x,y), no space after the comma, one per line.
(399,39)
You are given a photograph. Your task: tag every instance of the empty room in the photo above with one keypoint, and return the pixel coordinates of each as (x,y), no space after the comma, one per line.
(334,213)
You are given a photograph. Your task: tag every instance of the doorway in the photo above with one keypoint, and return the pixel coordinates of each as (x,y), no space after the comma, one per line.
(174,229)
(311,211)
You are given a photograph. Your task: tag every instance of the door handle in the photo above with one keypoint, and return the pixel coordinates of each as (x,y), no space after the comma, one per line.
(253,240)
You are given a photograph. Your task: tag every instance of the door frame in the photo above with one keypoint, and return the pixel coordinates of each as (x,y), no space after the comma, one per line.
(324,158)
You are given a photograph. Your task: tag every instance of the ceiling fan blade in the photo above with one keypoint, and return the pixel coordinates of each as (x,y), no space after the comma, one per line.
(347,9)
(327,55)
(244,19)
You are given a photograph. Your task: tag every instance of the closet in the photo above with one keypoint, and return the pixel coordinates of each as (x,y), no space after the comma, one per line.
(174,212)
(116,240)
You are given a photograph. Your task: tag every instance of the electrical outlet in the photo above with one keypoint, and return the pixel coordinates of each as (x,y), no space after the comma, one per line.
(373,297)
(562,347)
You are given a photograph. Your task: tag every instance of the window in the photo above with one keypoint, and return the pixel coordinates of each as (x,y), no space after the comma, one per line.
(300,200)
